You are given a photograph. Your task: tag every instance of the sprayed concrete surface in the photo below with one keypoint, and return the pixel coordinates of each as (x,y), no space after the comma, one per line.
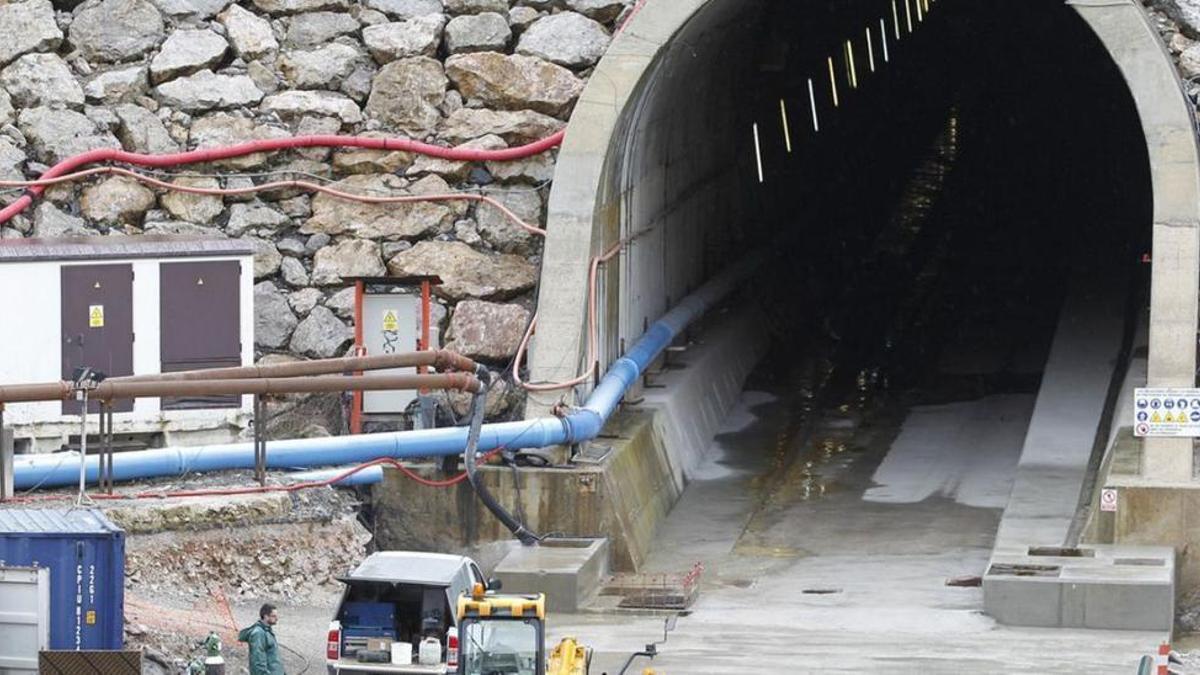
(838,561)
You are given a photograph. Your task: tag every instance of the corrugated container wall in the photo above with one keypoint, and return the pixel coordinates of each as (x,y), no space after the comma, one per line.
(85,554)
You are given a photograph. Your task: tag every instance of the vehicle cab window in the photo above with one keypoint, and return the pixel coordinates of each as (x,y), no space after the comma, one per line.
(509,647)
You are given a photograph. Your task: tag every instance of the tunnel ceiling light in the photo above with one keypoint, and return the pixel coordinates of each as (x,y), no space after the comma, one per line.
(787,132)
(870,50)
(851,71)
(908,15)
(896,19)
(920,12)
(833,82)
(883,39)
(812,102)
(758,154)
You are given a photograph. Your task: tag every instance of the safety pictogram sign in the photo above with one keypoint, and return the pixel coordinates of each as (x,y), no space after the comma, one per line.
(1108,499)
(391,322)
(1166,412)
(96,316)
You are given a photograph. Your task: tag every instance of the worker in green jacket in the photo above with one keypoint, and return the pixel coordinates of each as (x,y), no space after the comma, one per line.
(264,648)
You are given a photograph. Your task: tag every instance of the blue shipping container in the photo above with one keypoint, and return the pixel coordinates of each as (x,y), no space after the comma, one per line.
(85,554)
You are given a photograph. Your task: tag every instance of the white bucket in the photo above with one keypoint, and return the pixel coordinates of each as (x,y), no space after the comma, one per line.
(402,653)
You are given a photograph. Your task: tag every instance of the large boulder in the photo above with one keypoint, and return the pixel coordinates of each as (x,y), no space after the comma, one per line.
(192,207)
(223,129)
(566,38)
(406,9)
(455,171)
(273,318)
(347,258)
(12,160)
(419,36)
(119,85)
(293,273)
(296,104)
(50,221)
(321,68)
(304,299)
(316,29)
(500,231)
(475,6)
(356,160)
(516,127)
(497,401)
(488,31)
(410,220)
(116,200)
(206,90)
(117,30)
(178,228)
(250,34)
(522,17)
(29,26)
(600,10)
(406,95)
(514,82)
(465,272)
(54,135)
(531,171)
(267,258)
(487,331)
(141,131)
(187,51)
(254,216)
(298,6)
(197,10)
(41,79)
(1186,12)
(321,335)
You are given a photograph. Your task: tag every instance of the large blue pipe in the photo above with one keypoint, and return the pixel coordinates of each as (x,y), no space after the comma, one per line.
(34,471)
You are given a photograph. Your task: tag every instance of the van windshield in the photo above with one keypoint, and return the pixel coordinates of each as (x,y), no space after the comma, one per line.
(500,647)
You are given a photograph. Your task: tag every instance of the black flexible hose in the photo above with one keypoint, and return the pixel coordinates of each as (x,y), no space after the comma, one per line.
(478,403)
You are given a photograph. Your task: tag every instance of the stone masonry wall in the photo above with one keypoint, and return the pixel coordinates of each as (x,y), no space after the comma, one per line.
(160,76)
(1178,22)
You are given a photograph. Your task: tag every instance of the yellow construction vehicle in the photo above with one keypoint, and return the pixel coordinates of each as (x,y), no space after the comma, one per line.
(506,635)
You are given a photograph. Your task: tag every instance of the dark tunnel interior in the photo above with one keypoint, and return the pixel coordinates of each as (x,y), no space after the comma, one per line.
(965,180)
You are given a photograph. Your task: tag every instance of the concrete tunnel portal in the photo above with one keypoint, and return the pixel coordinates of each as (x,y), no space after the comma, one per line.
(917,162)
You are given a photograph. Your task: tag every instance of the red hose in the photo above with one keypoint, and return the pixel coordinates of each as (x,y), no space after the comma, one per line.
(273,145)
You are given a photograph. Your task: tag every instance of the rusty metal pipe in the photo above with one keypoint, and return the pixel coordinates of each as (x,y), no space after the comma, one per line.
(112,389)
(440,359)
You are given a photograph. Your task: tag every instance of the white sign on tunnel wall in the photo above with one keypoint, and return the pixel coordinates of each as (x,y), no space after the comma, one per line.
(1166,412)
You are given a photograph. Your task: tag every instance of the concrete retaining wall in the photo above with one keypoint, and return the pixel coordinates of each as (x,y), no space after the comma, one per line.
(652,447)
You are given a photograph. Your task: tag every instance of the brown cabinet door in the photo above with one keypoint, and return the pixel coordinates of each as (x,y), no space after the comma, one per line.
(200,323)
(97,325)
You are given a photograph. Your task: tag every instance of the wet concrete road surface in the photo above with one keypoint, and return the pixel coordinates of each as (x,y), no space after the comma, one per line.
(837,559)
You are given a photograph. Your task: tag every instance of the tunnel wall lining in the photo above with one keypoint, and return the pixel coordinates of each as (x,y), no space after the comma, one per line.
(582,221)
(1167,123)
(575,229)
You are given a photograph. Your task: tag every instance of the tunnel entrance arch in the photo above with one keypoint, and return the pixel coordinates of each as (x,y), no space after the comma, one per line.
(591,204)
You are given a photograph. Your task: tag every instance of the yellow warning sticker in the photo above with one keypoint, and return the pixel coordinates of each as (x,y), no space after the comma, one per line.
(91,617)
(96,316)
(1167,417)
(1155,417)
(391,322)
